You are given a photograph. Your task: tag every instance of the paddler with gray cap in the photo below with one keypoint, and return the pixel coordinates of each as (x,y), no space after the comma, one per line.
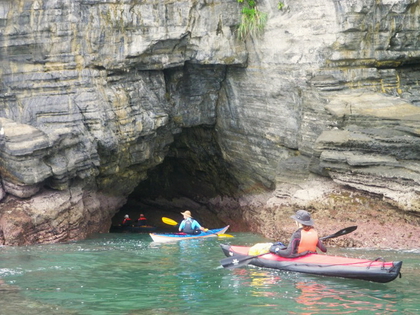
(304,240)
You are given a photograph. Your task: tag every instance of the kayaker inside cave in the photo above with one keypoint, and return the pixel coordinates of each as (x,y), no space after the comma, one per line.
(190,225)
(126,221)
(141,221)
(304,240)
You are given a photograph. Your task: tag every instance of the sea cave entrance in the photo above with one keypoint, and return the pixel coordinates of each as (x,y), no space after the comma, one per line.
(193,172)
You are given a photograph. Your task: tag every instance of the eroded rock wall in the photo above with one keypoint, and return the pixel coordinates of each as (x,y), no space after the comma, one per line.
(330,90)
(84,101)
(330,82)
(93,94)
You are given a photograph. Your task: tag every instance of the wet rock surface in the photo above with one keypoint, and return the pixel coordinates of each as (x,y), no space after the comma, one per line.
(100,98)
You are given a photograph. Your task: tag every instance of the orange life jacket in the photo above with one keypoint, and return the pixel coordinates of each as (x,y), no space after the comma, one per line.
(308,241)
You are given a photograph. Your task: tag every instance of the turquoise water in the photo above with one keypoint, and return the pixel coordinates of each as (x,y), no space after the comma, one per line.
(129,274)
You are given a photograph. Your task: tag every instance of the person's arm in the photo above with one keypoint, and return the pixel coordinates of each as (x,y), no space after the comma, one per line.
(321,246)
(291,249)
(197,225)
(181,226)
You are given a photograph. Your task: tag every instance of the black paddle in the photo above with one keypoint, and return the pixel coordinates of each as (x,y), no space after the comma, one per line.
(238,261)
(345,231)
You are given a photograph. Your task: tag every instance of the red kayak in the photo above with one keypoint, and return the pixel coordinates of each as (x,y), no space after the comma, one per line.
(318,264)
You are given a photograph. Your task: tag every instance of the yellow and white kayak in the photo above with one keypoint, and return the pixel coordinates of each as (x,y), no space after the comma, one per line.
(171,237)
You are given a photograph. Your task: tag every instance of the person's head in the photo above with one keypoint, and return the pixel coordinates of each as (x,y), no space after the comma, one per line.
(126,216)
(304,218)
(142,215)
(186,214)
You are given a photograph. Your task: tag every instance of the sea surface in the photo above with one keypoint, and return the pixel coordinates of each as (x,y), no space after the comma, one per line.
(112,274)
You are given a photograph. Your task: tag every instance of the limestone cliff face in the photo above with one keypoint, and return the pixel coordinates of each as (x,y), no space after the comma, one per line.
(100,98)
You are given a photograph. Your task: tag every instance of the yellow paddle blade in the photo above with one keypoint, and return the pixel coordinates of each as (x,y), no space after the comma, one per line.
(169,221)
(224,235)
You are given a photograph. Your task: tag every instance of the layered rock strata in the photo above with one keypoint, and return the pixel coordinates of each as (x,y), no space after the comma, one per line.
(98,98)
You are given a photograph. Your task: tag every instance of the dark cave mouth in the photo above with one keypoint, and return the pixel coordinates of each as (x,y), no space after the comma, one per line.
(192,172)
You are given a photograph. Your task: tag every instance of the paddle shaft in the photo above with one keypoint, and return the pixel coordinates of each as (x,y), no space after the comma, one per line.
(345,231)
(237,261)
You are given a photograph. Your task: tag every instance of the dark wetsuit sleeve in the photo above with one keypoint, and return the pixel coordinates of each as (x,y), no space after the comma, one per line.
(321,246)
(292,248)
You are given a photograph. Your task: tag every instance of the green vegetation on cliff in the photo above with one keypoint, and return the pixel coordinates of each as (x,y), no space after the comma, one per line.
(253,21)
